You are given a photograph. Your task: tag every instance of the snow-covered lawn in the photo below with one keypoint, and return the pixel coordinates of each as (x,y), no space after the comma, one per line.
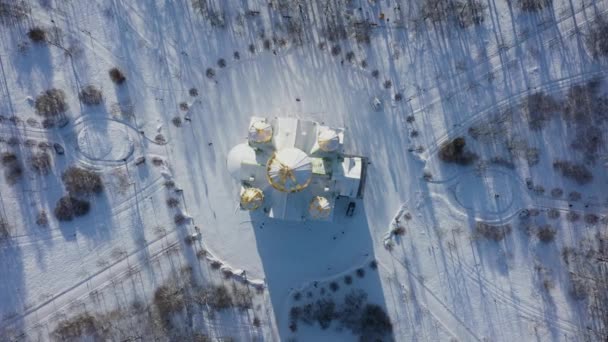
(501,238)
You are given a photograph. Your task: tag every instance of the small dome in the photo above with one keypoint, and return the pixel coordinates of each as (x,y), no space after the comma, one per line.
(239,154)
(319,208)
(251,198)
(289,170)
(328,140)
(260,132)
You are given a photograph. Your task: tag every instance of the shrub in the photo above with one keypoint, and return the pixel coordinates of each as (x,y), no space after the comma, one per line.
(492,232)
(221,63)
(574,196)
(79,181)
(557,192)
(398,231)
(256,322)
(597,38)
(375,73)
(324,312)
(546,233)
(591,218)
(374,322)
(538,108)
(8,158)
(348,280)
(51,103)
(177,121)
(553,213)
(193,92)
(90,95)
(13,170)
(387,84)
(533,5)
(74,328)
(68,207)
(468,12)
(41,162)
(336,50)
(37,34)
(454,152)
(172,202)
(160,139)
(179,218)
(13,11)
(360,272)
(42,219)
(236,55)
(218,297)
(334,286)
(168,299)
(573,216)
(117,76)
(251,48)
(373,264)
(183,106)
(242,297)
(577,172)
(5,229)
(210,73)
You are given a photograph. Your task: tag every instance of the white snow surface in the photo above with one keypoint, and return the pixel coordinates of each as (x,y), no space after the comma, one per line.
(439,281)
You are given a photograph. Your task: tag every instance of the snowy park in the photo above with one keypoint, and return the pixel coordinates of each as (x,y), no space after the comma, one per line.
(291,170)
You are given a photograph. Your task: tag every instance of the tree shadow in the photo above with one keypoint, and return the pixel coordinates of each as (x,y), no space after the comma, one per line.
(295,254)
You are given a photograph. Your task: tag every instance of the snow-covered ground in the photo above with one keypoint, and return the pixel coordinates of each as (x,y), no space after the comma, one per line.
(504,247)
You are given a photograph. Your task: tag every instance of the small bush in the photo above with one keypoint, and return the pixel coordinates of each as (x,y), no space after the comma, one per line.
(375,73)
(218,297)
(334,286)
(160,139)
(172,202)
(546,233)
(454,152)
(90,95)
(398,231)
(348,280)
(74,328)
(81,182)
(492,232)
(5,230)
(556,192)
(573,216)
(236,55)
(41,162)
(42,219)
(533,5)
(179,219)
(374,323)
(574,196)
(360,272)
(210,73)
(553,214)
(68,207)
(324,312)
(577,172)
(168,299)
(336,50)
(8,158)
(597,38)
(373,264)
(538,108)
(591,218)
(193,92)
(117,76)
(177,121)
(221,63)
(51,103)
(37,34)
